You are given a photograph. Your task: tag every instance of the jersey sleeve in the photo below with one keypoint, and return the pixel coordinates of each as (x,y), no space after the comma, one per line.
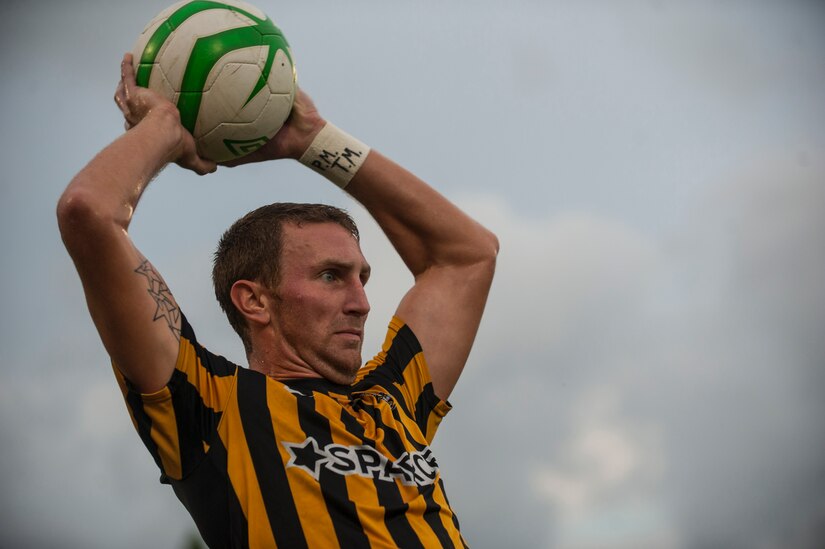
(401,370)
(178,422)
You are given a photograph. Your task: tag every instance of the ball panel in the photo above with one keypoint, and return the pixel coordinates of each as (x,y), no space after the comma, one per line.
(282,76)
(226,100)
(174,55)
(231,140)
(253,55)
(274,113)
(159,83)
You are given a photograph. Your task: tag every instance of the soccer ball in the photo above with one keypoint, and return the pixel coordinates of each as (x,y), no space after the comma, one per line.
(228,69)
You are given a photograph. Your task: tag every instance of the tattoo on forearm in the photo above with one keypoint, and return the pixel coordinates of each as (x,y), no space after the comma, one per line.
(167,308)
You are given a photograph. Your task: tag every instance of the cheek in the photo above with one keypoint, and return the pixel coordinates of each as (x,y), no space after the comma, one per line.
(309,308)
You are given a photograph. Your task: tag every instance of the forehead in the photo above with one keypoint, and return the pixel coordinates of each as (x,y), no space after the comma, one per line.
(312,243)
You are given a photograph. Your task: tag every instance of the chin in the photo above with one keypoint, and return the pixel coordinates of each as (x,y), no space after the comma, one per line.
(342,372)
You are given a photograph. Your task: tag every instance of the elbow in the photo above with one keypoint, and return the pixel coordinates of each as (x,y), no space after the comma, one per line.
(482,259)
(74,210)
(80,218)
(480,270)
(488,248)
(488,263)
(494,245)
(476,250)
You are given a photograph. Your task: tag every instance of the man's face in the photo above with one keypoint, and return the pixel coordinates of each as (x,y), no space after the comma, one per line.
(321,306)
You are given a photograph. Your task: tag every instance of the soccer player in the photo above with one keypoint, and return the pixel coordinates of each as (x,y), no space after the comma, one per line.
(306,447)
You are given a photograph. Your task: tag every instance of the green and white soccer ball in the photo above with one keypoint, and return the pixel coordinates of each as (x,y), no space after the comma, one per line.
(228,69)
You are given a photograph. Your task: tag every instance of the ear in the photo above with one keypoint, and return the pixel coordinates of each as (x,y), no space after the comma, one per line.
(251,299)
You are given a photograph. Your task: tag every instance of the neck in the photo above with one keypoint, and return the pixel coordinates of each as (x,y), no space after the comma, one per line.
(279,365)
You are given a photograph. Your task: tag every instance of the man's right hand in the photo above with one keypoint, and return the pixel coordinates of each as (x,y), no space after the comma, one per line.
(138,103)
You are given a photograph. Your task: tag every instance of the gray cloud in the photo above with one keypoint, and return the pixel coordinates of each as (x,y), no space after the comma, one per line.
(659,390)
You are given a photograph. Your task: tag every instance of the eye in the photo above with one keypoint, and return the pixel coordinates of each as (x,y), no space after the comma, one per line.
(328,276)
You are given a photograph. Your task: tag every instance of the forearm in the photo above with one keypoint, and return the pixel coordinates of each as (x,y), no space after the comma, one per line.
(425,228)
(105,193)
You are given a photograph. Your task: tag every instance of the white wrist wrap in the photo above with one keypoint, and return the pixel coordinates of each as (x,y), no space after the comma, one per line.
(335,154)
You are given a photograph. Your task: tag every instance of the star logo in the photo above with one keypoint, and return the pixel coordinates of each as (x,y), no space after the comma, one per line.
(306,456)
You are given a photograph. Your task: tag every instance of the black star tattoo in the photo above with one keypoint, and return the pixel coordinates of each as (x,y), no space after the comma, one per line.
(166,309)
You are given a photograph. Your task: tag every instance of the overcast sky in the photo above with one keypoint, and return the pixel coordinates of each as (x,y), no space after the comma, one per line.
(650,369)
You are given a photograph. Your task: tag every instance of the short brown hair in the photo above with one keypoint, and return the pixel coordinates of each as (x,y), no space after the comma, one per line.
(251,249)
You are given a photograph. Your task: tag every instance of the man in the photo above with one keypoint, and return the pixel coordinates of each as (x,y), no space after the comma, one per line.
(305,448)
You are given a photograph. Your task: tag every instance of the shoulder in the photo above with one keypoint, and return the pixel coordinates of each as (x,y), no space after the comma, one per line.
(400,350)
(400,369)
(194,355)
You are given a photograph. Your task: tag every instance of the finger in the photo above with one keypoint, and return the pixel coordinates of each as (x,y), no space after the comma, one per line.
(127,75)
(203,167)
(197,164)
(120,99)
(208,167)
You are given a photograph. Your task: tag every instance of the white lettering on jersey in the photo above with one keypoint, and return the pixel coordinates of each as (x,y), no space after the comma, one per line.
(412,468)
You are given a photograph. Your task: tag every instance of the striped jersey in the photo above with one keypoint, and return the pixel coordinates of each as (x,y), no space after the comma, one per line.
(259,462)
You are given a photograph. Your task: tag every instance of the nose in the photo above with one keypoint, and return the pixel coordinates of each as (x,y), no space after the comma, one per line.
(357,302)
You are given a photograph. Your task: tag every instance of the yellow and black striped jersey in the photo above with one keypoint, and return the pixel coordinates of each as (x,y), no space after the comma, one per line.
(304,463)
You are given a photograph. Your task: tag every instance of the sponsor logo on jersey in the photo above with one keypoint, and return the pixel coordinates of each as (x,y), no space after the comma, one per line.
(412,468)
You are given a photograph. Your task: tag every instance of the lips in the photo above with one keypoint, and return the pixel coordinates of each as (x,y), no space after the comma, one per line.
(354,332)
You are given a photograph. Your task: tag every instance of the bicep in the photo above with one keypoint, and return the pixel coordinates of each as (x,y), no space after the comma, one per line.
(132,307)
(444,310)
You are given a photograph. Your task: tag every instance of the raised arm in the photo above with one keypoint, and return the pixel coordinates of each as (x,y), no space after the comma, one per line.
(451,256)
(134,311)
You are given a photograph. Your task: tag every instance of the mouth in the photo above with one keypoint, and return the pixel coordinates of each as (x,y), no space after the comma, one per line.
(352,333)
